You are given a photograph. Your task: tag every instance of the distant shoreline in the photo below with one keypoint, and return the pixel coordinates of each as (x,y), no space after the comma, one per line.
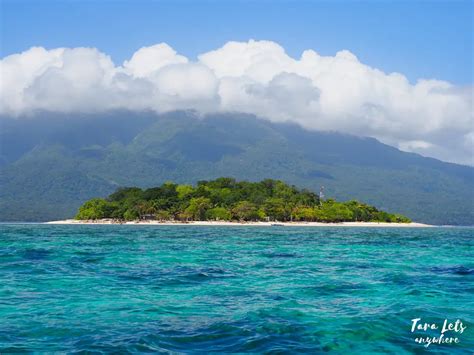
(230,224)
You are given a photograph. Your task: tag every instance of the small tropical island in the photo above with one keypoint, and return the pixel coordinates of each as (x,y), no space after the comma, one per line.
(228,201)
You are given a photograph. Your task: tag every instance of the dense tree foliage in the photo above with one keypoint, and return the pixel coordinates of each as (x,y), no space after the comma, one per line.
(226,199)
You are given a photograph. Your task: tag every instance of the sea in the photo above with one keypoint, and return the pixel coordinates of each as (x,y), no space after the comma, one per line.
(246,289)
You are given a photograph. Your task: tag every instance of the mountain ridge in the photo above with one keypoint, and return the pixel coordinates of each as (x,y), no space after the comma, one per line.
(51,163)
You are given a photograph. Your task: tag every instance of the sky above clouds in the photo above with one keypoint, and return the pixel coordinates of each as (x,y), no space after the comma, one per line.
(431,115)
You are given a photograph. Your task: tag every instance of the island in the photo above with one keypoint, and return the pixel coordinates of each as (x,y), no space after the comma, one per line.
(228,201)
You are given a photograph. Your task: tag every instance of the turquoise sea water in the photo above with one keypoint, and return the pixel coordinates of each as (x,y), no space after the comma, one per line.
(232,289)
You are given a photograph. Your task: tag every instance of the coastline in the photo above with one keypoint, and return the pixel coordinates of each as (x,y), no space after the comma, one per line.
(233,224)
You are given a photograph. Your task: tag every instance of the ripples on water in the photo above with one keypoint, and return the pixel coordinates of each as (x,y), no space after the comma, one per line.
(231,289)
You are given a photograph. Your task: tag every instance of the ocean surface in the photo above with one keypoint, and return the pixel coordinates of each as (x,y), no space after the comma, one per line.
(233,289)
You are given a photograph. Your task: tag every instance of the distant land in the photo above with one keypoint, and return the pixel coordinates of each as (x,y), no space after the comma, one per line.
(51,163)
(225,199)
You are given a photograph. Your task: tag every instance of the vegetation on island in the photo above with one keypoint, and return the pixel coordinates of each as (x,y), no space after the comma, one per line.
(226,199)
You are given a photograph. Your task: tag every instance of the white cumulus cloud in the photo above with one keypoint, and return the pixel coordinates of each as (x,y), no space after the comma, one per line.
(147,60)
(340,93)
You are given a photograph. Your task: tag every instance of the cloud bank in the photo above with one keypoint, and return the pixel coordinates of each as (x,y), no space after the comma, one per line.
(431,117)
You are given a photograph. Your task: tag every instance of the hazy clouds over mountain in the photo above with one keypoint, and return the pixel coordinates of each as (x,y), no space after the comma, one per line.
(431,117)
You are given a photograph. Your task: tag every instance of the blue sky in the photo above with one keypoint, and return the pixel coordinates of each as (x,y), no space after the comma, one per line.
(421,39)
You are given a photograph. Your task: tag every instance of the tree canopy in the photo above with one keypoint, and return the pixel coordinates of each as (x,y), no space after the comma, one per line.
(226,199)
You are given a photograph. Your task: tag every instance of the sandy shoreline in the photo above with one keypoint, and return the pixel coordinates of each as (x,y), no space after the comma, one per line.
(262,224)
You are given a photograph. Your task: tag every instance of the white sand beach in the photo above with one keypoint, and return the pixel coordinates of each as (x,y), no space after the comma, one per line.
(233,224)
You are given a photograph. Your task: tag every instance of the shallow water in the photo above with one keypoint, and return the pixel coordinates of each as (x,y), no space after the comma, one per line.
(232,289)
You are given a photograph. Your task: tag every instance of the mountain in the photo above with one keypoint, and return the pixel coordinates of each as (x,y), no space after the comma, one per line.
(51,163)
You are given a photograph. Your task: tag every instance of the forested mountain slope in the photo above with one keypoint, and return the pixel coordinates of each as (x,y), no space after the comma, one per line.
(52,163)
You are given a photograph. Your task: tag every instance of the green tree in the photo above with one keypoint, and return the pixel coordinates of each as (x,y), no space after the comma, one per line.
(332,211)
(96,208)
(218,214)
(275,209)
(198,207)
(245,211)
(304,213)
(131,214)
(184,191)
(163,215)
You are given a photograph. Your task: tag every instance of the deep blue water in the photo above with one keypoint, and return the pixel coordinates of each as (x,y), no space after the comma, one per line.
(233,289)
